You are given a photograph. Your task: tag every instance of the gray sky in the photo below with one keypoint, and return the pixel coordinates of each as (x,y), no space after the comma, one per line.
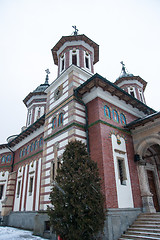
(127,30)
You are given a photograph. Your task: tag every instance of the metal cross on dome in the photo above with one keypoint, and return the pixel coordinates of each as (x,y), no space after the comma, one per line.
(47,71)
(76,30)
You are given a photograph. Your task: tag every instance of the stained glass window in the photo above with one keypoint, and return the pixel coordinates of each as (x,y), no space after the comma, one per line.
(123,119)
(54,123)
(107,112)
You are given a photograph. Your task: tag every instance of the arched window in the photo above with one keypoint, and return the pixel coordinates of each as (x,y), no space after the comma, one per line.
(123,119)
(107,112)
(60,119)
(35,145)
(41,142)
(54,123)
(32,147)
(8,158)
(3,159)
(20,154)
(28,147)
(24,152)
(115,116)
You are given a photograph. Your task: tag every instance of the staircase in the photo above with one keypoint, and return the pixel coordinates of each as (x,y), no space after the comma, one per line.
(146,226)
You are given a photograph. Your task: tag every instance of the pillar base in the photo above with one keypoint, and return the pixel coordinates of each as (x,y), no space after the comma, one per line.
(148,205)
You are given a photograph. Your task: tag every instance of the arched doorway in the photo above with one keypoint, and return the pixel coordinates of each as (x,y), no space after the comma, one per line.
(151,157)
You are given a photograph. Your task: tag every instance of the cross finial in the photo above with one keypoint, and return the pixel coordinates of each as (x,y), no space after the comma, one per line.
(47,71)
(123,67)
(76,30)
(47,78)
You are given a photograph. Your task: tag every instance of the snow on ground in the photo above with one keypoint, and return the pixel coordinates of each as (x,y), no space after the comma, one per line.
(16,234)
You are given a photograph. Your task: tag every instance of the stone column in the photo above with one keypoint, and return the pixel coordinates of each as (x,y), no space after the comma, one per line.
(147,200)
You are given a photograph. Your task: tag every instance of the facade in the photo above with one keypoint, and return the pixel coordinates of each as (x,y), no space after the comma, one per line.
(121,132)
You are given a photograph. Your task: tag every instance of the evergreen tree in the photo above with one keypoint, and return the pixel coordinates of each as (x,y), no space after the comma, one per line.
(78,204)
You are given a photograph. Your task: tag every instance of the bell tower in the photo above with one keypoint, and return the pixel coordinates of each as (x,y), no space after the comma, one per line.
(36,102)
(134,85)
(76,49)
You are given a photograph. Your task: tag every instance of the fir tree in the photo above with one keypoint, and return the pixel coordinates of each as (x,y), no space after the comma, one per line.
(78,211)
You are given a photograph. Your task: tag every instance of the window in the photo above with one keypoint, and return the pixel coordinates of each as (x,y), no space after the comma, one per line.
(122,171)
(1,191)
(41,142)
(107,112)
(62,62)
(131,91)
(29,118)
(3,159)
(20,154)
(115,116)
(123,119)
(87,62)
(8,158)
(54,123)
(74,59)
(53,171)
(28,147)
(32,147)
(35,145)
(60,120)
(18,188)
(31,186)
(24,152)
(141,95)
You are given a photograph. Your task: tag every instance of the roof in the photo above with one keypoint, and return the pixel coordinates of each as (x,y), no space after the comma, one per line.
(25,133)
(98,81)
(142,121)
(129,77)
(32,94)
(40,90)
(75,38)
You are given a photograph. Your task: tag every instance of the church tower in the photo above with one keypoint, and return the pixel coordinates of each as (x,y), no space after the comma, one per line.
(36,102)
(134,85)
(65,118)
(76,49)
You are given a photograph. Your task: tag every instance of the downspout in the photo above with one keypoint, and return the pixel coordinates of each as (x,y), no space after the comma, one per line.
(13,154)
(86,113)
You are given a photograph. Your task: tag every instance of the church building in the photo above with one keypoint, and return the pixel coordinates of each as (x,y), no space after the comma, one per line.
(121,132)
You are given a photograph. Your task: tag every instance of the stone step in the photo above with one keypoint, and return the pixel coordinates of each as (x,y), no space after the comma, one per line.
(149,226)
(145,222)
(146,226)
(144,233)
(154,230)
(148,219)
(133,237)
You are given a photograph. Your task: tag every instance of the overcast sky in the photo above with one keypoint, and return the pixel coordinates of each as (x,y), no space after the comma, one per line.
(126,30)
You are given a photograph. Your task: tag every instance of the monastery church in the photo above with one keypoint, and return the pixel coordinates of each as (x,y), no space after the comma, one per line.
(121,132)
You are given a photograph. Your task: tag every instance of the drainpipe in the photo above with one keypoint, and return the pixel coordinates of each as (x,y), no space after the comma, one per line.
(13,156)
(86,112)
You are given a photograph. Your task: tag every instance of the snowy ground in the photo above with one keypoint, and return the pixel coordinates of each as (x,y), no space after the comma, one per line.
(16,234)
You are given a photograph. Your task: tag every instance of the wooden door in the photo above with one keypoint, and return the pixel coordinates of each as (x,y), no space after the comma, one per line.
(152,187)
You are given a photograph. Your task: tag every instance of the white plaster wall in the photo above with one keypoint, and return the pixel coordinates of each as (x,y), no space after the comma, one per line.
(38,185)
(124,192)
(18,198)
(3,181)
(24,186)
(29,200)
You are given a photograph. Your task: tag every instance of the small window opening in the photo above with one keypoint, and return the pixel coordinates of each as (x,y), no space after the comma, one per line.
(87,62)
(62,68)
(53,171)
(18,188)
(74,59)
(122,172)
(1,191)
(47,226)
(31,186)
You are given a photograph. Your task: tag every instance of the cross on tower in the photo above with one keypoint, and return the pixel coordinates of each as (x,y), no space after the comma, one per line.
(47,71)
(76,30)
